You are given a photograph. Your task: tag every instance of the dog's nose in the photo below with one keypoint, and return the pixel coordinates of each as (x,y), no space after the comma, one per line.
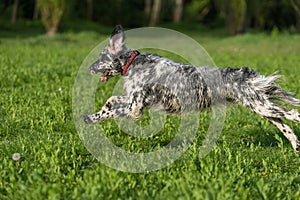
(93,68)
(92,72)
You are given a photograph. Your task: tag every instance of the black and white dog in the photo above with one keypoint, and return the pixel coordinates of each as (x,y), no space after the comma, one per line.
(153,81)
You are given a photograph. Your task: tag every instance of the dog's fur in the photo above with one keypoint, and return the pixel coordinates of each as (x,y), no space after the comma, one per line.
(153,81)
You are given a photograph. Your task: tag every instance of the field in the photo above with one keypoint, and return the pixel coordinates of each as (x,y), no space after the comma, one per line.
(251,159)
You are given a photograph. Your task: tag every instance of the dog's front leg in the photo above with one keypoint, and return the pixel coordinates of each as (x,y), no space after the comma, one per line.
(115,100)
(115,106)
(102,115)
(136,106)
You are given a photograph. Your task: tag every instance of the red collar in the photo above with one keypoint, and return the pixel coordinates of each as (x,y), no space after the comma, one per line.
(132,57)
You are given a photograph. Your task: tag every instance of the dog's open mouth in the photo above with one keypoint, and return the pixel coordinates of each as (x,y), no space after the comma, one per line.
(105,76)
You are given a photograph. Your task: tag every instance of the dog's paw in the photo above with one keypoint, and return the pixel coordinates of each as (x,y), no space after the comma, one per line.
(87,119)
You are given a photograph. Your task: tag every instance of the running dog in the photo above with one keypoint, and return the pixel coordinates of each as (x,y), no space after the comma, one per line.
(151,81)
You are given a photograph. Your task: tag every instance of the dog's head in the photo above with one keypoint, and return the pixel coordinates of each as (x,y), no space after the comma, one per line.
(112,58)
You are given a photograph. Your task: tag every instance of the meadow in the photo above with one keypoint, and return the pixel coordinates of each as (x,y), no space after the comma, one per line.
(251,159)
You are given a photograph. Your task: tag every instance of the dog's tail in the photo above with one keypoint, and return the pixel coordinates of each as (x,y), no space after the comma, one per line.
(247,87)
(267,86)
(286,97)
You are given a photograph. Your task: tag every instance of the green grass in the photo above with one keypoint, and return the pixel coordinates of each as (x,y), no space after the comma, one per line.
(250,161)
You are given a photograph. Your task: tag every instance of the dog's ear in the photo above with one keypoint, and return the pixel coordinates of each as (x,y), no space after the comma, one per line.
(116,41)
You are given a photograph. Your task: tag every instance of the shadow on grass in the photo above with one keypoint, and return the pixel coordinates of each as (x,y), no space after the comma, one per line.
(244,128)
(266,137)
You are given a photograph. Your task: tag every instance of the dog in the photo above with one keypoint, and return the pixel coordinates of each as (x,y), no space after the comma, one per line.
(151,81)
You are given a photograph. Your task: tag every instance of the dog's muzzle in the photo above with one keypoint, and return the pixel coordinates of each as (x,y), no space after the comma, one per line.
(94,68)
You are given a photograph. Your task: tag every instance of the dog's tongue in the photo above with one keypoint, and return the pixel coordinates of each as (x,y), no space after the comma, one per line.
(103,78)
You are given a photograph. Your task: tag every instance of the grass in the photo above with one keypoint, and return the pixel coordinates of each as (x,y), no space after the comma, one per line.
(250,161)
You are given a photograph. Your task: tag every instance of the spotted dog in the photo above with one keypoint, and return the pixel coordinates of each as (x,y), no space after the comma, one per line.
(151,81)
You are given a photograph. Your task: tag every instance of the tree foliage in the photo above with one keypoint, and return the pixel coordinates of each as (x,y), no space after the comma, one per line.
(197,9)
(237,15)
(51,14)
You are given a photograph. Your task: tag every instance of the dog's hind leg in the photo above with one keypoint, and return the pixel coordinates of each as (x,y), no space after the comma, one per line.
(270,109)
(267,108)
(257,92)
(287,132)
(293,115)
(273,113)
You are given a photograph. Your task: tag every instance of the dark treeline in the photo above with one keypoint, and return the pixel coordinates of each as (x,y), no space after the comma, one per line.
(237,15)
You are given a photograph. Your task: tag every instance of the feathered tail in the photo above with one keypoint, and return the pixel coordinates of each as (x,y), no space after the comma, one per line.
(246,85)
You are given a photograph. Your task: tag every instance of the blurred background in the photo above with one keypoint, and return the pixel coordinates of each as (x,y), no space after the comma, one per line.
(237,16)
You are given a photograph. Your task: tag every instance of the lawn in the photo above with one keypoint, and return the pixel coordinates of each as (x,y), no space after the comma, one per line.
(251,159)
